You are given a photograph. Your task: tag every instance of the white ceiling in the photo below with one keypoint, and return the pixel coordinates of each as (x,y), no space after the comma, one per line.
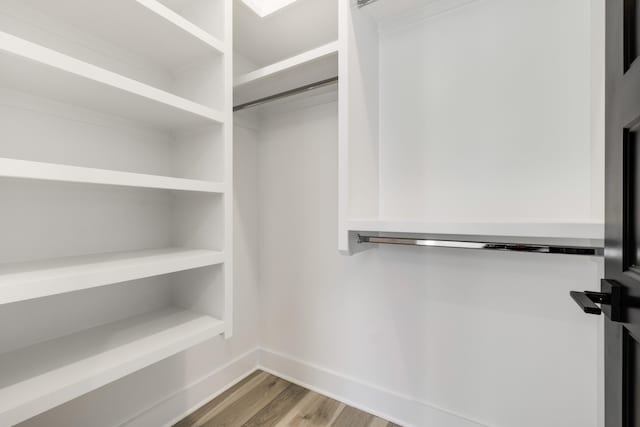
(266,7)
(294,28)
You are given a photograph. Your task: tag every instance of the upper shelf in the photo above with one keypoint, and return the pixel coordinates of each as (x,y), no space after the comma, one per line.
(38,378)
(145,27)
(387,10)
(296,28)
(560,230)
(36,279)
(24,169)
(35,69)
(309,67)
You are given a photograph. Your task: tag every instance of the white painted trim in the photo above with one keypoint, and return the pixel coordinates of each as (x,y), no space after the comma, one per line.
(384,403)
(219,380)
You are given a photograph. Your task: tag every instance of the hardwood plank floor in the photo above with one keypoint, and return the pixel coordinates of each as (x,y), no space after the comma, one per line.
(264,400)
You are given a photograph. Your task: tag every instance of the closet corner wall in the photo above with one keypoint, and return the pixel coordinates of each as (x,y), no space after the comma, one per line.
(116,175)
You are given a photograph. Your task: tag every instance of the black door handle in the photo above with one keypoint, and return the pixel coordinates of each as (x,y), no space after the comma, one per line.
(587,301)
(610,299)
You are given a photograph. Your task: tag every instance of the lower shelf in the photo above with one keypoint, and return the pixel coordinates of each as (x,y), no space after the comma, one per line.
(24,169)
(38,378)
(28,280)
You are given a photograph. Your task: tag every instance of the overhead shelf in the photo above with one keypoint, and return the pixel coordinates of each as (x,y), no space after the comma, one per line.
(24,169)
(309,67)
(36,279)
(388,10)
(145,27)
(31,68)
(560,230)
(38,378)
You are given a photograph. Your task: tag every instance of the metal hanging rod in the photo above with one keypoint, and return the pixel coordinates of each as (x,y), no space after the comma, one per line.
(462,244)
(286,94)
(362,3)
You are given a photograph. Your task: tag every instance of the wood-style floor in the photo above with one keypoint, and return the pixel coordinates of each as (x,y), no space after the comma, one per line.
(263,400)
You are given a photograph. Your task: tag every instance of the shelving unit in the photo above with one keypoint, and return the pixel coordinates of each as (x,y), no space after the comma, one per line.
(435,140)
(309,67)
(24,169)
(36,279)
(112,97)
(40,377)
(35,69)
(148,27)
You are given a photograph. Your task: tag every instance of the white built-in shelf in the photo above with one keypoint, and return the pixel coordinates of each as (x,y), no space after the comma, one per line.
(28,280)
(145,27)
(45,375)
(309,67)
(35,69)
(25,169)
(560,230)
(409,10)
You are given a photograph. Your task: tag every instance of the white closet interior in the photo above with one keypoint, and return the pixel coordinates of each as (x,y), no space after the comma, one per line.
(116,166)
(466,118)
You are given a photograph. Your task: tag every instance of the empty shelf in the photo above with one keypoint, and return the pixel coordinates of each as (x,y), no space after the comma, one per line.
(45,375)
(31,68)
(23,169)
(309,67)
(145,27)
(36,279)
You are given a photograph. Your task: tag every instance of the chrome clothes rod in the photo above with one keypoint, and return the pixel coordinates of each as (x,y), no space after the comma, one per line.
(286,94)
(362,3)
(494,246)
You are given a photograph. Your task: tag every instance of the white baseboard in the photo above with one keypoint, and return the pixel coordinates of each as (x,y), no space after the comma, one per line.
(387,404)
(392,406)
(196,394)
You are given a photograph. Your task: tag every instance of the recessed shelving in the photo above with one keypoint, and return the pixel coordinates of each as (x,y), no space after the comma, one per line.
(146,27)
(306,68)
(40,377)
(24,169)
(134,95)
(28,280)
(42,71)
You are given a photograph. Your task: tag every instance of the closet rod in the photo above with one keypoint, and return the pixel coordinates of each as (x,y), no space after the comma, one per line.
(362,3)
(287,93)
(495,246)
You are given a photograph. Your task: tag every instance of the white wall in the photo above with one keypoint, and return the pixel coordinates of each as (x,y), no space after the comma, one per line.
(485,114)
(156,395)
(493,337)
